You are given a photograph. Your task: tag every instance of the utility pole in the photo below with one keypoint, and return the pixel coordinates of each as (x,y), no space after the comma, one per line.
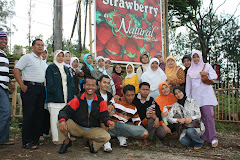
(80,29)
(90,25)
(57,29)
(30,21)
(85,28)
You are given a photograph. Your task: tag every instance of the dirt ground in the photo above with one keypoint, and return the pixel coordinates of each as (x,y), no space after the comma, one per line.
(229,148)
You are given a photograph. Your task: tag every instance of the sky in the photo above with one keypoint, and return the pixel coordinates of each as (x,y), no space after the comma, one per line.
(42,18)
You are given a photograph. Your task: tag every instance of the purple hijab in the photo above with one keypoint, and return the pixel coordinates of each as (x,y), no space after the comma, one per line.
(195,69)
(163,64)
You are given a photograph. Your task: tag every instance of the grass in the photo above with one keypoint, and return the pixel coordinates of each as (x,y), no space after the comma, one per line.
(226,128)
(14,129)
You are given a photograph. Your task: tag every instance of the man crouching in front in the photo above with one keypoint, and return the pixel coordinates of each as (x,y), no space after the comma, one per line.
(81,118)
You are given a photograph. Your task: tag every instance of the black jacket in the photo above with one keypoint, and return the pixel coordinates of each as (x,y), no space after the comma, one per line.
(142,108)
(77,110)
(109,95)
(54,84)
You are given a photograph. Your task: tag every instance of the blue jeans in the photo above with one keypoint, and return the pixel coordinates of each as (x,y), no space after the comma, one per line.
(126,130)
(191,138)
(5,115)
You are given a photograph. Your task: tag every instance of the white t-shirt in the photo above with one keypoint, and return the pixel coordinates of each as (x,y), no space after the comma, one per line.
(104,96)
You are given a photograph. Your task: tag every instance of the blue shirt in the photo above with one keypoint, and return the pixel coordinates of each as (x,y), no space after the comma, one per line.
(89,102)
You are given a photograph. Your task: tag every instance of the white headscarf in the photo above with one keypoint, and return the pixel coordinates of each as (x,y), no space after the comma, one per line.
(63,74)
(103,70)
(72,60)
(130,75)
(45,49)
(195,69)
(154,78)
(65,64)
(59,65)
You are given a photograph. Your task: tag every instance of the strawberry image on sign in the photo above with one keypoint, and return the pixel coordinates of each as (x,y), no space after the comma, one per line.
(112,46)
(104,32)
(115,57)
(131,46)
(99,46)
(127,28)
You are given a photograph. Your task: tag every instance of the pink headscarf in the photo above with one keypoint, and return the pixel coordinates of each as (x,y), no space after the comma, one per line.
(107,59)
(195,69)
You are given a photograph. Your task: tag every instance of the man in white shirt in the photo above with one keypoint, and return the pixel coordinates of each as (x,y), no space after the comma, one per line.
(32,93)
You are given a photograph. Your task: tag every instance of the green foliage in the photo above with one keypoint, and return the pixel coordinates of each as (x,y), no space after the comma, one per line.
(6,12)
(182,12)
(49,59)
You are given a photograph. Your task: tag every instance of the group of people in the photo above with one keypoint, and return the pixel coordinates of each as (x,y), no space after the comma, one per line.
(100,102)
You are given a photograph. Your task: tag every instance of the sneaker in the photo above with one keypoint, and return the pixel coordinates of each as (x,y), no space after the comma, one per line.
(123,141)
(107,147)
(46,135)
(214,143)
(41,138)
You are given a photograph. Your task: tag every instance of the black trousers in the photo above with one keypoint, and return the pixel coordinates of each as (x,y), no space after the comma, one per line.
(33,103)
(45,122)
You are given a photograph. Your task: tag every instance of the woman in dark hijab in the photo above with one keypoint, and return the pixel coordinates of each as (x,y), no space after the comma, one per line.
(117,79)
(189,111)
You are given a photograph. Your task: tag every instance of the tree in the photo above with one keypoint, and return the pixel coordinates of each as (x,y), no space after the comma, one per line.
(190,14)
(6,11)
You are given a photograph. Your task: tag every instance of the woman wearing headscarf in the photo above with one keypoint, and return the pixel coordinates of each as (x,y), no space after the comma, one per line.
(117,79)
(144,59)
(87,67)
(154,76)
(100,70)
(44,56)
(60,90)
(186,61)
(107,66)
(175,74)
(75,74)
(188,110)
(67,59)
(162,64)
(46,115)
(131,77)
(165,101)
(203,94)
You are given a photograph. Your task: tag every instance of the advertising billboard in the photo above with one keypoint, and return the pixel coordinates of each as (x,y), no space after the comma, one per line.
(127,28)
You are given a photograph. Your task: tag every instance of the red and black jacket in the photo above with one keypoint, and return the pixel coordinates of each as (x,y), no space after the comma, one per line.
(77,110)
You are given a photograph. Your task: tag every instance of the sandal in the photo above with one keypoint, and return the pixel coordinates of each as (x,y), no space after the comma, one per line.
(196,148)
(30,146)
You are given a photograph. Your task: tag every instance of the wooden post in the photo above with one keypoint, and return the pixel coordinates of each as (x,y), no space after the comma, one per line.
(225,105)
(165,27)
(233,99)
(222,101)
(215,107)
(90,25)
(237,102)
(14,100)
(229,103)
(218,109)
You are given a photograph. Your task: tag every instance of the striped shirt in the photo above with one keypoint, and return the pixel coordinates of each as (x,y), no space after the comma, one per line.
(124,112)
(4,70)
(33,68)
